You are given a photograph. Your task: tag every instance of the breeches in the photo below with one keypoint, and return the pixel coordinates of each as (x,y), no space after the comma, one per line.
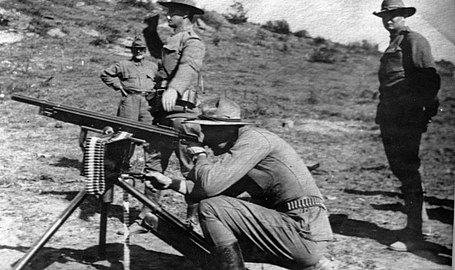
(162,151)
(135,107)
(274,235)
(401,145)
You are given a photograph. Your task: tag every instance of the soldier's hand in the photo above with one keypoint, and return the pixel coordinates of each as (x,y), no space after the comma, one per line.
(195,148)
(169,99)
(157,180)
(124,93)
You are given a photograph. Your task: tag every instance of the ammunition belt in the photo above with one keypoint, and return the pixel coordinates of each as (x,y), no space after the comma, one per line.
(303,202)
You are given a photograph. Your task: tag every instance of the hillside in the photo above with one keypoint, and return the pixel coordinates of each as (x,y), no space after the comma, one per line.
(318,95)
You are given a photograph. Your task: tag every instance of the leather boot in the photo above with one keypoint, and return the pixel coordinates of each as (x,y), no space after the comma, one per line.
(228,257)
(412,237)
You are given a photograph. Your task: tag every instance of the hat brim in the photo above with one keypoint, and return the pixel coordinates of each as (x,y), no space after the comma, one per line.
(217,123)
(194,10)
(405,11)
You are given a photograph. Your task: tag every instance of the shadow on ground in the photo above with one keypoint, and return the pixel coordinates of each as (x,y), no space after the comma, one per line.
(140,258)
(341,224)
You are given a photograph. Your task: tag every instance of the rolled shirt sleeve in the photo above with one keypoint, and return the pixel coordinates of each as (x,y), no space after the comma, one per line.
(110,76)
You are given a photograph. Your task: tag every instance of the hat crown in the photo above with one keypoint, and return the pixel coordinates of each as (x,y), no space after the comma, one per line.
(224,109)
(138,43)
(391,4)
(184,3)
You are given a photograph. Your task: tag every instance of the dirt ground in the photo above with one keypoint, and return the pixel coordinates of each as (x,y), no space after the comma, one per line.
(324,110)
(362,198)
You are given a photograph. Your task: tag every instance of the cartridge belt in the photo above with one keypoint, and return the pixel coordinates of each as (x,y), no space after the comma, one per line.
(142,93)
(304,202)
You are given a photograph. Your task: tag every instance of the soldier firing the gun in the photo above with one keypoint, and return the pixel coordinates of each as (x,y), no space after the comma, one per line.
(285,221)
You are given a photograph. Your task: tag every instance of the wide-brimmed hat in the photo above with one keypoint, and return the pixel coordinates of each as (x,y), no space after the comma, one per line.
(188,4)
(388,6)
(219,112)
(138,42)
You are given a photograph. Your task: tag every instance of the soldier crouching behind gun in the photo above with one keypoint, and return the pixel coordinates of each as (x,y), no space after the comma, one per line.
(285,221)
(176,95)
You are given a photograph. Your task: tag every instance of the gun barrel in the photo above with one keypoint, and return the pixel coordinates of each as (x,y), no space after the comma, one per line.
(96,120)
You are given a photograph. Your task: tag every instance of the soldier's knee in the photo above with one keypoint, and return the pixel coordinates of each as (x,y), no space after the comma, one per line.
(209,207)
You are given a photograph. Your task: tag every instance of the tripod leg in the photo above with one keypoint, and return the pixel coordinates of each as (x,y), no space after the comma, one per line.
(106,200)
(52,230)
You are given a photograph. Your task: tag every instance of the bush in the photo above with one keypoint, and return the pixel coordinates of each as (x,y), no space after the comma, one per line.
(365,46)
(279,26)
(302,34)
(238,14)
(319,41)
(323,55)
(214,19)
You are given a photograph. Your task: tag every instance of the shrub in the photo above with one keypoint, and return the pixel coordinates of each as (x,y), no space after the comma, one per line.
(214,19)
(319,41)
(279,26)
(238,13)
(365,46)
(445,68)
(323,55)
(302,34)
(261,34)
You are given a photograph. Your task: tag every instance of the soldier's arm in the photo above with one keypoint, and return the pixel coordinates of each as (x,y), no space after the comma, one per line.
(110,76)
(189,66)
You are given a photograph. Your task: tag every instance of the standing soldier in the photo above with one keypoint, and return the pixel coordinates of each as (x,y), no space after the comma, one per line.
(134,79)
(408,91)
(177,90)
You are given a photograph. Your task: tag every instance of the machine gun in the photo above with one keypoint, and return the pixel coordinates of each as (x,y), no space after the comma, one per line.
(106,163)
(93,121)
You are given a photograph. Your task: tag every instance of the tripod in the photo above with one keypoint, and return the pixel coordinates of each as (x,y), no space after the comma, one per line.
(114,160)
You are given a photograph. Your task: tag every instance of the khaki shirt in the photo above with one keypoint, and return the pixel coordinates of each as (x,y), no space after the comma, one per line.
(407,78)
(262,165)
(130,75)
(182,58)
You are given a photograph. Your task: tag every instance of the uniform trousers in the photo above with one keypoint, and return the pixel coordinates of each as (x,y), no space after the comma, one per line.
(265,235)
(401,145)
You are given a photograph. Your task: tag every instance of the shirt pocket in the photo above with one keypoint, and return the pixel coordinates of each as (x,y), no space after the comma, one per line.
(171,56)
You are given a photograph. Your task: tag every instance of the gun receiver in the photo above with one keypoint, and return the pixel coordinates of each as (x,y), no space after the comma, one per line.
(99,121)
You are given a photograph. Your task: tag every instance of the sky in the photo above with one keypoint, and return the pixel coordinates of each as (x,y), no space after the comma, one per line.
(347,21)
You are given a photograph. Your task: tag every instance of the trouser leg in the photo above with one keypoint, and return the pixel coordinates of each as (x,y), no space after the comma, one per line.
(226,220)
(401,145)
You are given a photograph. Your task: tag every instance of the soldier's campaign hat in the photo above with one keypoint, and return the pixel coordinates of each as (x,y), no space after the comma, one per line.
(137,43)
(219,112)
(398,6)
(187,4)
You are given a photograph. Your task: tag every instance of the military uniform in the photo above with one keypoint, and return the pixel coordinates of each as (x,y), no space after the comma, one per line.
(137,80)
(284,219)
(181,64)
(408,99)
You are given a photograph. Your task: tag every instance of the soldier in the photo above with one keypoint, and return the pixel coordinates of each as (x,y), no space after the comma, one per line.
(408,91)
(134,79)
(284,221)
(179,75)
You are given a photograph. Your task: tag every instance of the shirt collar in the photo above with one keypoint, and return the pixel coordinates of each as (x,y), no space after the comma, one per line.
(183,28)
(402,31)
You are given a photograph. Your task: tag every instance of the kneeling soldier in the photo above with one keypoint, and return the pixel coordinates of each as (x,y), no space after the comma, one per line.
(284,219)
